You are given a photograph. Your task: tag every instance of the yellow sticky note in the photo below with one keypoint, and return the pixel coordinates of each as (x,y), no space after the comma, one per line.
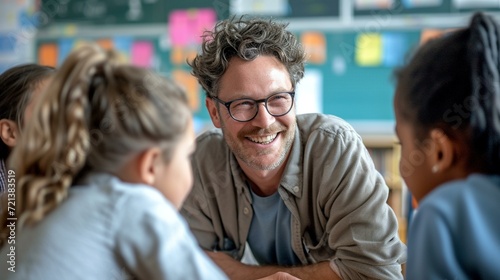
(369,49)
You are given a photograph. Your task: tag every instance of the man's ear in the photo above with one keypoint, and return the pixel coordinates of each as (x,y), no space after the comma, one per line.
(444,154)
(212,110)
(9,132)
(147,165)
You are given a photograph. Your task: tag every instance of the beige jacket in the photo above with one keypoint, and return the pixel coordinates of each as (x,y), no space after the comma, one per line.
(336,197)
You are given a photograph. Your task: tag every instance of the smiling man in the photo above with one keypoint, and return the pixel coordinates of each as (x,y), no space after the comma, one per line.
(275,191)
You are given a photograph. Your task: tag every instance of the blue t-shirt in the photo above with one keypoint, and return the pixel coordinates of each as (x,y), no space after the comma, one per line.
(455,233)
(270,235)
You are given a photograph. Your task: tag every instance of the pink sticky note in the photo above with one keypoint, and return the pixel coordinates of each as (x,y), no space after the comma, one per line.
(179,28)
(206,21)
(142,54)
(187,26)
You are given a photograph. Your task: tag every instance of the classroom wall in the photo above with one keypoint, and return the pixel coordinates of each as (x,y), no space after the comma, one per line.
(18,30)
(353,45)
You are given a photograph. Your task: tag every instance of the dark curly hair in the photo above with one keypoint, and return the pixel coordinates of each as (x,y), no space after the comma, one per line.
(247,39)
(453,83)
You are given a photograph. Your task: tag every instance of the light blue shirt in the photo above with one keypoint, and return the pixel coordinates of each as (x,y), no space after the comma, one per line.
(109,230)
(455,234)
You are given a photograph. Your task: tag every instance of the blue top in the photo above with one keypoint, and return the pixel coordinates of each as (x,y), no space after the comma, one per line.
(108,229)
(270,235)
(455,233)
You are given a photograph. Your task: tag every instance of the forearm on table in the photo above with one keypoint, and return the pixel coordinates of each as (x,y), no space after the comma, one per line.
(237,270)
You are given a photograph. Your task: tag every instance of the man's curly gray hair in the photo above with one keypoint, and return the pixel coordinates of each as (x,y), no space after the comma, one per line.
(247,39)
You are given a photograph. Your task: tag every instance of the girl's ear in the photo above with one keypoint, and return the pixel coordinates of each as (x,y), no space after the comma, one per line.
(147,165)
(212,110)
(9,132)
(444,155)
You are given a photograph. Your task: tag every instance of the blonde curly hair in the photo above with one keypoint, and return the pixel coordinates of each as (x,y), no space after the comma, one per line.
(94,115)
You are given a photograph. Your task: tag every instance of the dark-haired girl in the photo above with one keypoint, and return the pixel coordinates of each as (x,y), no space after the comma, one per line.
(447,107)
(19,87)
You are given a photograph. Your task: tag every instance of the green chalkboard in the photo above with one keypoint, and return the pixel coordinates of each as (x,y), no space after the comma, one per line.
(112,12)
(156,11)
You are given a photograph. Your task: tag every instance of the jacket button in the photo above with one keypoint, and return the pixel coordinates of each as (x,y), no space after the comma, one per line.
(296,189)
(245,211)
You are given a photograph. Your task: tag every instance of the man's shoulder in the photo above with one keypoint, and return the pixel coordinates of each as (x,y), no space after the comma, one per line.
(212,137)
(329,124)
(211,144)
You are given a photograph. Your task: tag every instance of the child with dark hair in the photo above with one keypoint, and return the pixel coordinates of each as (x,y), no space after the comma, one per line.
(19,85)
(447,107)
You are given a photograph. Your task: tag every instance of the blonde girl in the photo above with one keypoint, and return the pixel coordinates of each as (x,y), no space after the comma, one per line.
(100,173)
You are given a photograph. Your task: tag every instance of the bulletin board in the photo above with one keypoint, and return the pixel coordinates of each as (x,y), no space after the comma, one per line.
(358,84)
(356,69)
(353,70)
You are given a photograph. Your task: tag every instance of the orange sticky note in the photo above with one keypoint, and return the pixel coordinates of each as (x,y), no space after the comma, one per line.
(315,46)
(106,44)
(190,85)
(428,34)
(47,55)
(179,55)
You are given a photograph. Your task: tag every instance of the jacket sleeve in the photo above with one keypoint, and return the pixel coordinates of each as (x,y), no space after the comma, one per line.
(197,213)
(362,229)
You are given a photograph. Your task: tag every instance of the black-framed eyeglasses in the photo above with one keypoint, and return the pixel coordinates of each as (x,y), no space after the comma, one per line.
(245,109)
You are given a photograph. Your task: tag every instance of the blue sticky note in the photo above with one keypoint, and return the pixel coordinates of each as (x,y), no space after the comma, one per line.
(123,43)
(7,43)
(28,21)
(394,47)
(65,47)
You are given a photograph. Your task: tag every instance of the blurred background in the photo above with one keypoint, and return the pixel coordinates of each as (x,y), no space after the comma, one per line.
(353,48)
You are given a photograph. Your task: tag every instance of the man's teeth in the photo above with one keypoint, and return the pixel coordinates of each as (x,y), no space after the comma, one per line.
(263,140)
